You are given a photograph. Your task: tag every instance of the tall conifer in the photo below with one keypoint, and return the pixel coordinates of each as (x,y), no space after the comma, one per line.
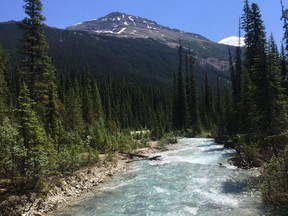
(3,85)
(37,70)
(180,102)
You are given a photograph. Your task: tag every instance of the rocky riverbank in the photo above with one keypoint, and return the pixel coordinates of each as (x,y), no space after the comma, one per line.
(72,187)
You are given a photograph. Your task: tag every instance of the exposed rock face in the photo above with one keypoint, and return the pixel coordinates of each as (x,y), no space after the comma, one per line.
(123,25)
(127,26)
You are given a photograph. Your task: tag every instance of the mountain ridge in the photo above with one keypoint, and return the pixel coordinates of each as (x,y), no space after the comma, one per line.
(124,25)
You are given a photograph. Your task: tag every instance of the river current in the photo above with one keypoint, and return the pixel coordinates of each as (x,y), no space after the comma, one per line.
(192,179)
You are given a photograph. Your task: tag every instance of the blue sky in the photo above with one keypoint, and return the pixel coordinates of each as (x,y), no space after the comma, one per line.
(214,19)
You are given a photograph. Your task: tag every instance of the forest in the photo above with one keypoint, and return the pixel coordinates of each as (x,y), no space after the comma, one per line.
(52,123)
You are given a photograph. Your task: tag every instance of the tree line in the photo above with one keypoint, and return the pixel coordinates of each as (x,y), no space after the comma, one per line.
(249,115)
(52,122)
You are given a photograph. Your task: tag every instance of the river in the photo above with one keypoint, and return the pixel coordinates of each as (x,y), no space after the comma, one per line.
(187,181)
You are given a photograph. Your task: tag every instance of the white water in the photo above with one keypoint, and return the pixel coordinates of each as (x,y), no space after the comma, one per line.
(187,181)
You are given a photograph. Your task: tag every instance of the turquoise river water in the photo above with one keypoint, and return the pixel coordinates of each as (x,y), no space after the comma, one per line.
(187,181)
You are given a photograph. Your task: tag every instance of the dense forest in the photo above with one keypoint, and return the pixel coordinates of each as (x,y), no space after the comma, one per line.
(52,122)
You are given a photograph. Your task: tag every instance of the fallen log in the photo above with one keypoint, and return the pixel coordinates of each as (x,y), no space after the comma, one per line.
(131,155)
(154,158)
(145,157)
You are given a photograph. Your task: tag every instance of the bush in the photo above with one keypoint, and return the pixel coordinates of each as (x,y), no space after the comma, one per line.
(275,180)
(12,152)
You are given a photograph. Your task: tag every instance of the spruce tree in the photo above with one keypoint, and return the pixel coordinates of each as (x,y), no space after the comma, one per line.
(96,99)
(238,71)
(40,158)
(283,62)
(4,92)
(219,112)
(247,106)
(88,112)
(37,70)
(255,58)
(277,119)
(192,96)
(208,105)
(73,109)
(180,112)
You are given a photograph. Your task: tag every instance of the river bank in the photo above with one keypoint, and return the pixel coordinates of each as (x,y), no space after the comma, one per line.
(73,186)
(188,180)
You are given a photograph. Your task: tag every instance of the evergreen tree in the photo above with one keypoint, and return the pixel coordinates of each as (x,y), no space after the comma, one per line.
(219,111)
(192,97)
(284,52)
(73,109)
(275,108)
(97,103)
(4,92)
(208,105)
(37,70)
(285,26)
(283,61)
(238,71)
(40,158)
(88,110)
(256,65)
(228,117)
(247,106)
(180,112)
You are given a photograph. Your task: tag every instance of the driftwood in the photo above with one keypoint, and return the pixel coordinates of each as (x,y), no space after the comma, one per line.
(145,157)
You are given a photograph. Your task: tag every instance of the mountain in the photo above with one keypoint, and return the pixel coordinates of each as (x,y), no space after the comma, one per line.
(123,25)
(233,41)
(145,58)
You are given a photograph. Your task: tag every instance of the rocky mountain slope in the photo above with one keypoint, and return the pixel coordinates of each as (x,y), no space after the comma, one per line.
(123,25)
(120,45)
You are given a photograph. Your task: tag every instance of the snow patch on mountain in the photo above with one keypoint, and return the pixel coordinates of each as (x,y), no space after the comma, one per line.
(122,30)
(233,41)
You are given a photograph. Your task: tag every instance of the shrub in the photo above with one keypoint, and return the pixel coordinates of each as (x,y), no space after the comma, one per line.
(275,180)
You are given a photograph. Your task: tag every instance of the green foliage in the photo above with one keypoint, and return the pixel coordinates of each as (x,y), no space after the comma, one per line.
(109,157)
(4,91)
(168,138)
(69,156)
(180,107)
(275,180)
(40,160)
(12,152)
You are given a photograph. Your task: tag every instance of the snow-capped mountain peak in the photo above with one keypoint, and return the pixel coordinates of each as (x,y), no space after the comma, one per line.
(124,25)
(233,41)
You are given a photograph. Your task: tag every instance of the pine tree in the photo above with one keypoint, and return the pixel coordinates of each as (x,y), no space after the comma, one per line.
(88,111)
(97,103)
(284,52)
(208,105)
(192,97)
(73,109)
(277,120)
(285,26)
(219,111)
(4,92)
(247,106)
(283,61)
(256,65)
(37,70)
(255,38)
(180,112)
(40,158)
(228,118)
(238,71)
